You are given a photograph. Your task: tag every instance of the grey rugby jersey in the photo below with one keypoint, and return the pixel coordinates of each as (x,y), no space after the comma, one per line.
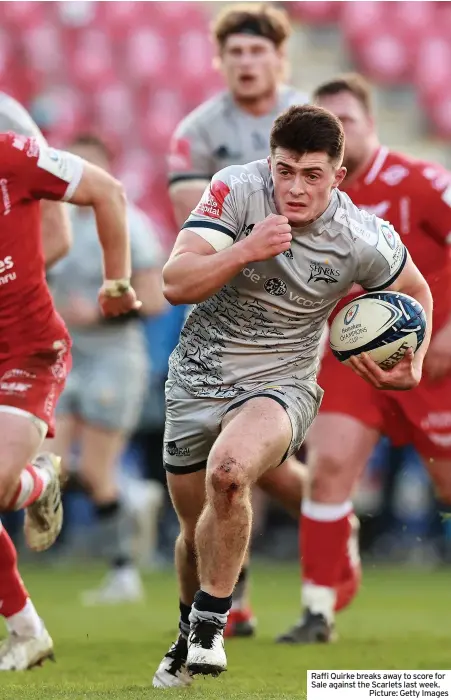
(14,117)
(266,324)
(219,133)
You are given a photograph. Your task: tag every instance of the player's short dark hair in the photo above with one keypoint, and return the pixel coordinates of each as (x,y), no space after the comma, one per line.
(88,139)
(308,129)
(254,19)
(354,83)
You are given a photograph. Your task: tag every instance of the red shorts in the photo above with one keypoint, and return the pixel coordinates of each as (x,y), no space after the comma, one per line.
(420,417)
(33,383)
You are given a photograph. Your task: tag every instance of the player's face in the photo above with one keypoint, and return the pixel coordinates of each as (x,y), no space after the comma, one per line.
(303,184)
(252,66)
(358,126)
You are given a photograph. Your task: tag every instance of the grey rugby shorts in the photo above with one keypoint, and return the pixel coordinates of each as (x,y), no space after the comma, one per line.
(194,422)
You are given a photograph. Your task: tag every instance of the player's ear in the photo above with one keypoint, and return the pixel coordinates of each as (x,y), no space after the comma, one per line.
(217,63)
(339,176)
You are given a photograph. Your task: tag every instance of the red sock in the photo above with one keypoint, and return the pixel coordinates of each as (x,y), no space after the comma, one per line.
(323,542)
(13,594)
(351,573)
(29,489)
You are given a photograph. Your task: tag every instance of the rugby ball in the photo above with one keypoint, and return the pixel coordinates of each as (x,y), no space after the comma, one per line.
(383,324)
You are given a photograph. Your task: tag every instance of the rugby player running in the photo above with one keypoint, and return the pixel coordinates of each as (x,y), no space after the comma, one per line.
(255,257)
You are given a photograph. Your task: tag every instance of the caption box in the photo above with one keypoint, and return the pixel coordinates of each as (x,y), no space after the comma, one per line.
(378,685)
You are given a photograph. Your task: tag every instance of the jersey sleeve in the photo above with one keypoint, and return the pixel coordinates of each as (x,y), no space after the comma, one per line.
(381,256)
(190,155)
(144,244)
(39,172)
(218,216)
(434,197)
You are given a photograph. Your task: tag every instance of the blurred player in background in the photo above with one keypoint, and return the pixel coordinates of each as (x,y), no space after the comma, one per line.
(256,257)
(35,355)
(17,608)
(56,233)
(103,398)
(232,128)
(415,197)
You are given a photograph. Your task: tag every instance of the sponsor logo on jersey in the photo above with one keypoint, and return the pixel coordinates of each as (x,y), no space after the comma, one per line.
(19,142)
(394,175)
(180,155)
(356,228)
(288,254)
(389,235)
(321,272)
(275,287)
(351,314)
(174,450)
(379,209)
(244,178)
(7,264)
(212,202)
(246,231)
(223,153)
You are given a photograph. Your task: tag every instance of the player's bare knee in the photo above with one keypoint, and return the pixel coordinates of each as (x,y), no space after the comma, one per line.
(329,479)
(227,479)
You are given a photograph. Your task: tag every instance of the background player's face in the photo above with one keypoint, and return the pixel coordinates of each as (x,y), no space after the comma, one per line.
(252,66)
(358,126)
(303,184)
(93,154)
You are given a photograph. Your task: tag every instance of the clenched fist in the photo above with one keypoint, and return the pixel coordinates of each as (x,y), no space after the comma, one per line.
(115,304)
(268,238)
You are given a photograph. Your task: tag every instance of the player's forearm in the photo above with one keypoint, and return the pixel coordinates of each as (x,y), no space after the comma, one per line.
(112,228)
(189,278)
(422,294)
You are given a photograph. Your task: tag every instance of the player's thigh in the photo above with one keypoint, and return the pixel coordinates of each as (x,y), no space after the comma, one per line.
(21,436)
(187,493)
(192,424)
(254,438)
(114,385)
(338,449)
(286,484)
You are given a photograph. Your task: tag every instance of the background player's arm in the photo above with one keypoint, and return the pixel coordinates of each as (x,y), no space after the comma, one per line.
(147,261)
(190,168)
(101,191)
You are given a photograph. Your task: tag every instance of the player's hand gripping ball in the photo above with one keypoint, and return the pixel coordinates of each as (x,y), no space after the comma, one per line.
(378,334)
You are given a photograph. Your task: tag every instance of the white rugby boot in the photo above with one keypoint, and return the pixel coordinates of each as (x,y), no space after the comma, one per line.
(19,653)
(44,517)
(206,653)
(172,671)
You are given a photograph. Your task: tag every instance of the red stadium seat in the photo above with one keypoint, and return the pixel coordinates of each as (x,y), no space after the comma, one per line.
(42,44)
(320,12)
(384,57)
(146,55)
(433,65)
(92,63)
(23,15)
(114,110)
(440,113)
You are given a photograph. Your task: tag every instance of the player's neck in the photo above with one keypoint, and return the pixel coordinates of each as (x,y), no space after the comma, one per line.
(260,106)
(356,174)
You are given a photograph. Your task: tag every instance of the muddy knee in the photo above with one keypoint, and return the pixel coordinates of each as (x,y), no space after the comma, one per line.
(226,478)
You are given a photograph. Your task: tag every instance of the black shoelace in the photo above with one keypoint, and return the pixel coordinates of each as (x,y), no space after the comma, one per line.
(204,632)
(178,652)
